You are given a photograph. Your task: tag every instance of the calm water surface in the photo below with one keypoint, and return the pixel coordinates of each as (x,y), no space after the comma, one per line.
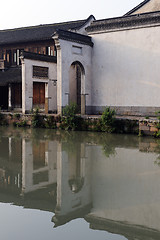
(78,185)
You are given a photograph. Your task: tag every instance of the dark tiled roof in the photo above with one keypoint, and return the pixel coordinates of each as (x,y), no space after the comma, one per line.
(137,7)
(11,75)
(130,231)
(75,37)
(59,220)
(37,56)
(37,33)
(125,22)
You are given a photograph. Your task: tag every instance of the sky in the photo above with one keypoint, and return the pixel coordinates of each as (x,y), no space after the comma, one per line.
(22,13)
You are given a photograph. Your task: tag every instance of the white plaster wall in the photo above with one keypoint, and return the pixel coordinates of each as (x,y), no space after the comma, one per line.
(65,57)
(151,6)
(27,83)
(126,68)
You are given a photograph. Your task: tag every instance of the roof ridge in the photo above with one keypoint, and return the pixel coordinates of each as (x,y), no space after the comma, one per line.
(91,16)
(43,25)
(122,17)
(137,7)
(125,22)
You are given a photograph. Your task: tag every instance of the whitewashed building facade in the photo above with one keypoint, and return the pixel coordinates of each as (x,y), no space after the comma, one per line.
(111,62)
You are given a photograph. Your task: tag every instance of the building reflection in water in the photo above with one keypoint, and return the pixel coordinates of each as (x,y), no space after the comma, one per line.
(39,164)
(73,182)
(111,181)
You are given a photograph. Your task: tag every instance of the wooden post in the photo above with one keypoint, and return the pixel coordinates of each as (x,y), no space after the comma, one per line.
(46,105)
(9,97)
(46,99)
(83,104)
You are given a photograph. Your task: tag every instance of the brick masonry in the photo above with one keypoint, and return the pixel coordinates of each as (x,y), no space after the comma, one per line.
(148,127)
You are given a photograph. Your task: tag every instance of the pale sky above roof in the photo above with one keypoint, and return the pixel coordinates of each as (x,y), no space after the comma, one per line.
(22,13)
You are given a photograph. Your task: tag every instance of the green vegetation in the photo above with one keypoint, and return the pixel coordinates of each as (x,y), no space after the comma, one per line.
(17,116)
(107,120)
(70,121)
(49,122)
(20,123)
(158,114)
(36,120)
(157,134)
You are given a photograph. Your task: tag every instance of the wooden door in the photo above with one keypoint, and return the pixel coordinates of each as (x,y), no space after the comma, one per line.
(39,95)
(4,97)
(16,95)
(78,76)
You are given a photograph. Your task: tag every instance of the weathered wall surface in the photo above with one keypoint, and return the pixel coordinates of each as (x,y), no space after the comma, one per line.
(151,6)
(126,70)
(27,83)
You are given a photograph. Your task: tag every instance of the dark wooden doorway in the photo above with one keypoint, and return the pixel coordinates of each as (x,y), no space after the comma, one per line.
(75,82)
(16,95)
(4,97)
(78,79)
(39,95)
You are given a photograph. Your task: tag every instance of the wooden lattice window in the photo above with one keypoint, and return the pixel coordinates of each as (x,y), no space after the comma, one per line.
(40,72)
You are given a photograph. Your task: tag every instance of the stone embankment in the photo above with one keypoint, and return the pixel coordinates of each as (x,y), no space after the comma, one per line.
(149,126)
(124,124)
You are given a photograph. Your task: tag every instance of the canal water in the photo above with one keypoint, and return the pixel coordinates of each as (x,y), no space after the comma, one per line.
(78,185)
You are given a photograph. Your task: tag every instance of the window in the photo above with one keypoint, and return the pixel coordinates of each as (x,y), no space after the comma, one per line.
(4,56)
(40,72)
(19,51)
(77,50)
(8,56)
(55,51)
(48,51)
(14,57)
(38,50)
(51,52)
